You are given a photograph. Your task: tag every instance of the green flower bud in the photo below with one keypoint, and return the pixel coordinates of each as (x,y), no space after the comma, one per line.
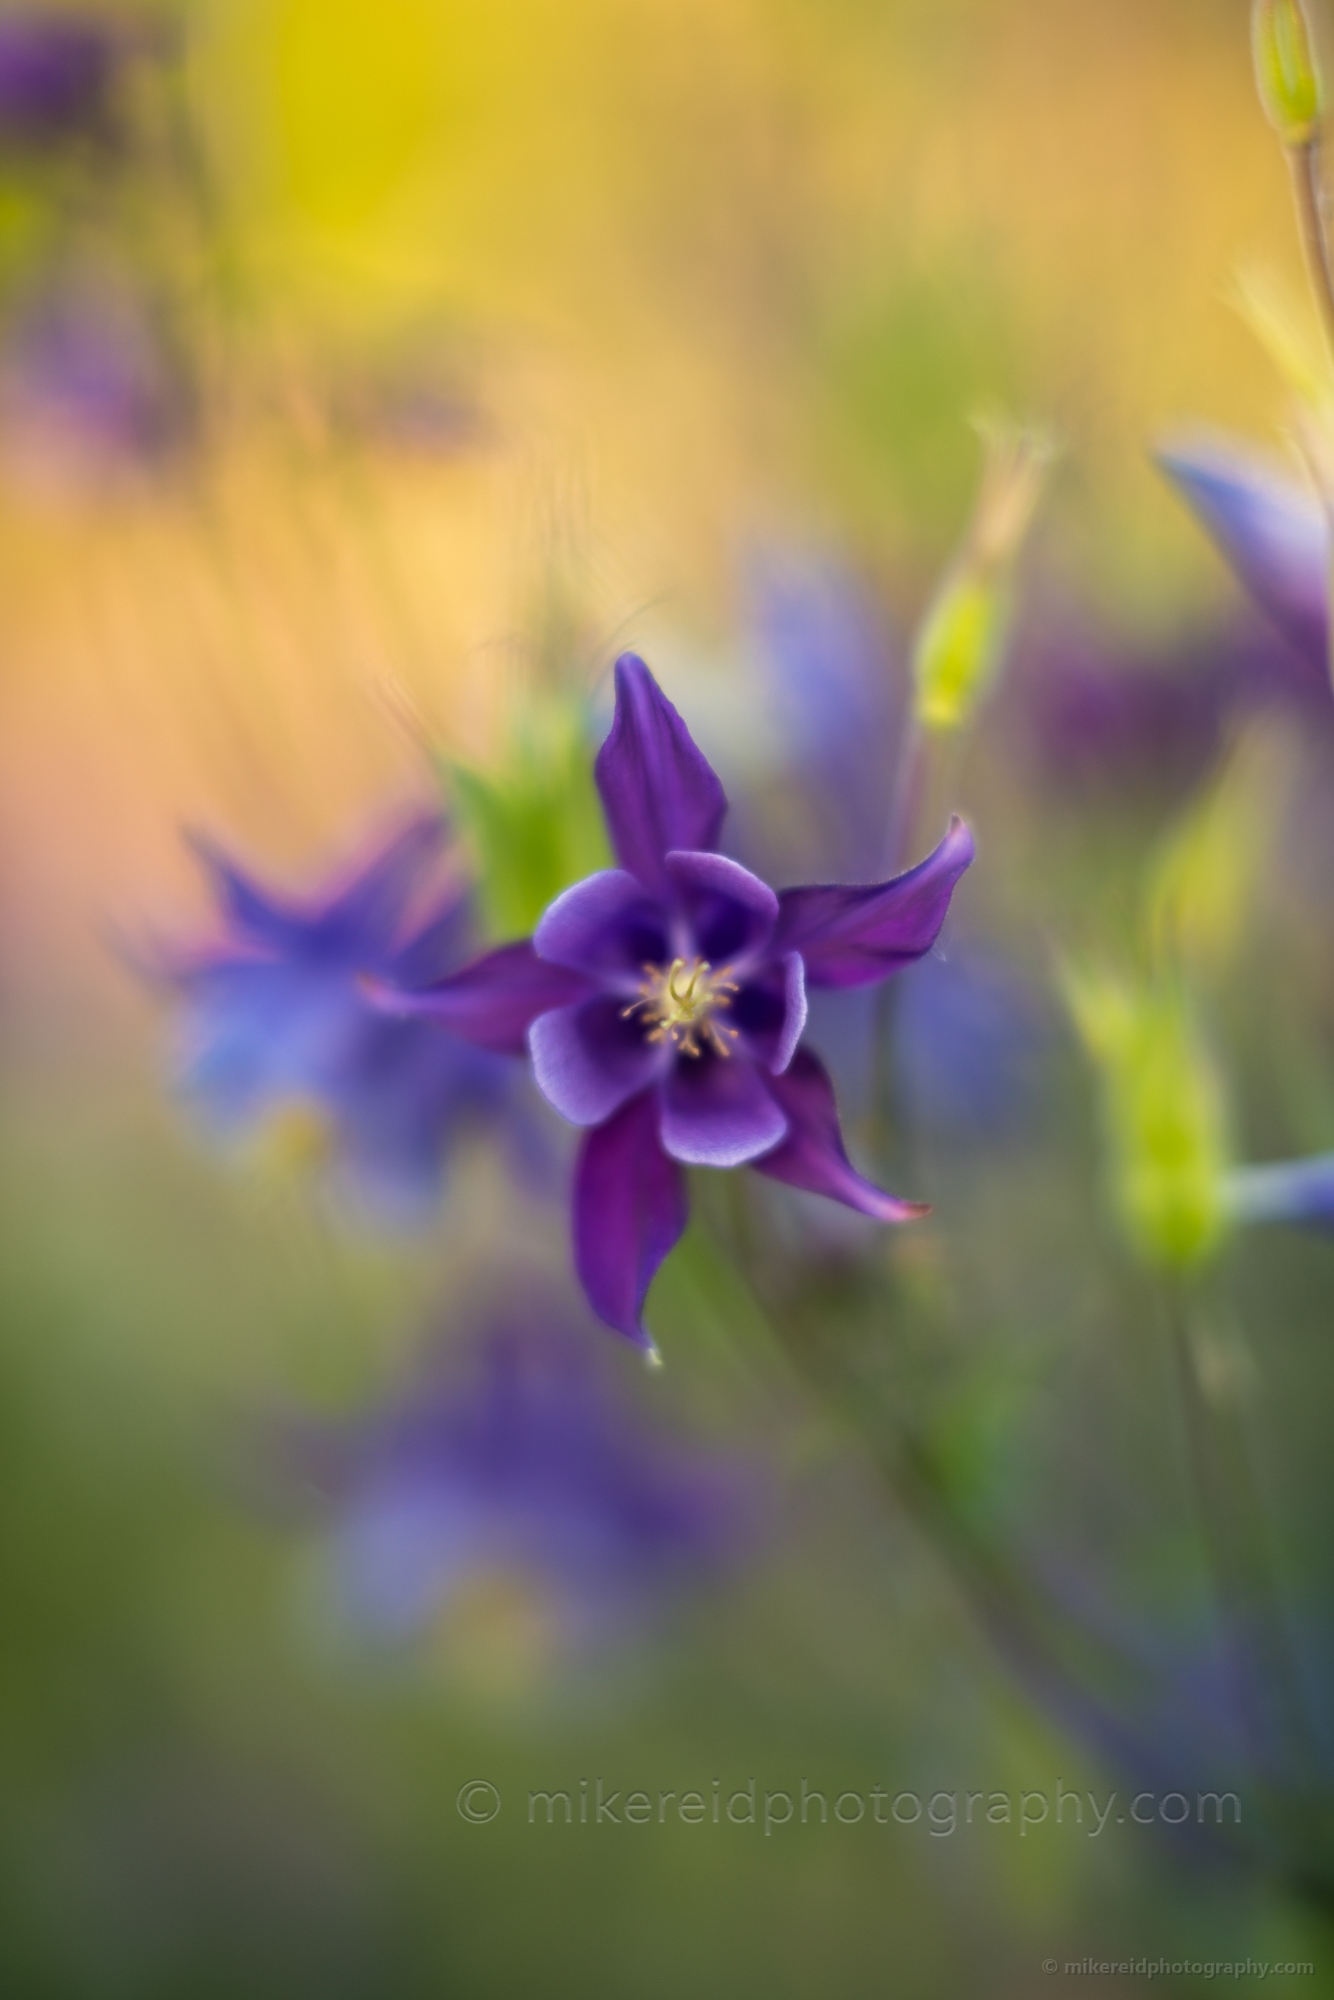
(961,641)
(1164,1116)
(1287,74)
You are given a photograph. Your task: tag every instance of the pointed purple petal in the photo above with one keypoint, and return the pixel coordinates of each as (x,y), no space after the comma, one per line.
(262,917)
(629,1210)
(851,936)
(658,790)
(367,904)
(1271,532)
(588,1058)
(719,1111)
(491,1003)
(359,911)
(605,925)
(731,913)
(794,1019)
(769,1012)
(812,1155)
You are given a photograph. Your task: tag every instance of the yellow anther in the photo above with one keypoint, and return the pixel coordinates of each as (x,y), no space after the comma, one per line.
(679,1001)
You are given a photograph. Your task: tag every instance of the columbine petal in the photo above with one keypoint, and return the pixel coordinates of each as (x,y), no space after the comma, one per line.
(261,917)
(731,913)
(604,924)
(719,1112)
(849,936)
(812,1155)
(369,905)
(1272,532)
(588,1058)
(1284,1191)
(492,1003)
(629,1210)
(769,1013)
(658,789)
(362,911)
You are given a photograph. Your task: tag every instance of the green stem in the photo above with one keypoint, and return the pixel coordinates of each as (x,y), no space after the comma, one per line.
(1232,1518)
(1309,194)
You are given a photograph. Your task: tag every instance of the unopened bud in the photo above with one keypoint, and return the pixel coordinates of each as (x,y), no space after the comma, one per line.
(1165,1124)
(1287,74)
(962,639)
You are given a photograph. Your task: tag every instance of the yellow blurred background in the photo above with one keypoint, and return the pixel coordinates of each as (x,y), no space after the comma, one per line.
(680,278)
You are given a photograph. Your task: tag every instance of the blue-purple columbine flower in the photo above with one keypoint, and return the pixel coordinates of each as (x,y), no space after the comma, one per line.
(525,1458)
(663,1003)
(57,71)
(274,1014)
(1295,1191)
(1272,533)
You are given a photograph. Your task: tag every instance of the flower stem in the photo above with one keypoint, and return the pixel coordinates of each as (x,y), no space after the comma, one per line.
(1309,195)
(905,795)
(1210,1384)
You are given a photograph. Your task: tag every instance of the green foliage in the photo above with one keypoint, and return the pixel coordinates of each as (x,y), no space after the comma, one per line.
(535,825)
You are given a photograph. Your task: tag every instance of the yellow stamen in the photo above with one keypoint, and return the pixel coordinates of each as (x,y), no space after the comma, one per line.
(678,1002)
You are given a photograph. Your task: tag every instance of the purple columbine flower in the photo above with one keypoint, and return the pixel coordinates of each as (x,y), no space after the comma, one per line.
(524,1458)
(1296,1191)
(663,1002)
(274,1014)
(1272,533)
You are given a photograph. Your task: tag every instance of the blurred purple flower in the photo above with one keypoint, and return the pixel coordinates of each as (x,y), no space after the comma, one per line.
(663,1003)
(1272,532)
(526,1458)
(1297,1191)
(967,1034)
(274,1015)
(84,382)
(829,679)
(1195,1710)
(1091,712)
(57,72)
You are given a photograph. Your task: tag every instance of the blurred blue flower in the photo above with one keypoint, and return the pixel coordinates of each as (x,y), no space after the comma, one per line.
(1234,1707)
(522,1468)
(1272,532)
(274,1018)
(829,681)
(1298,1191)
(967,1035)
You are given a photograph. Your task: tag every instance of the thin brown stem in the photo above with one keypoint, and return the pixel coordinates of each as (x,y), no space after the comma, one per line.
(1308,191)
(1232,1514)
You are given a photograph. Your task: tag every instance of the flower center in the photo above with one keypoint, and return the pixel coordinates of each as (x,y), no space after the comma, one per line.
(679,1001)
